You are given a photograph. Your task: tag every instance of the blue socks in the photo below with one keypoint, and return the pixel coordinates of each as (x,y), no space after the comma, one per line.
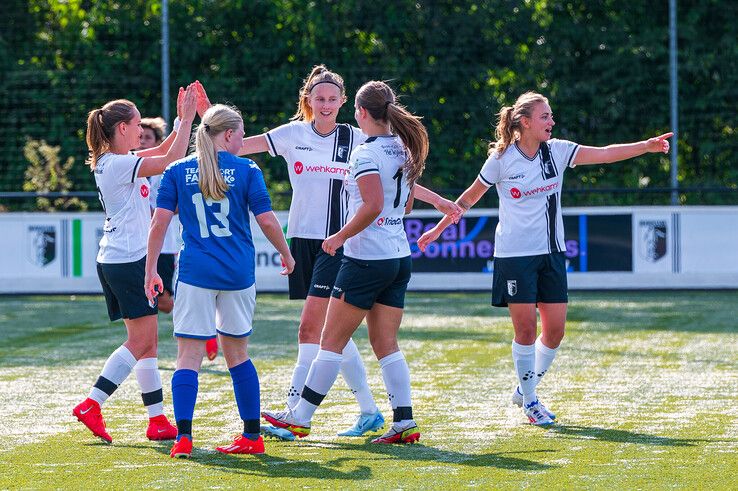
(246,390)
(184,396)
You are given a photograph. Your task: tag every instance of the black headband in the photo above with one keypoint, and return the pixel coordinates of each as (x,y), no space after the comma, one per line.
(324,82)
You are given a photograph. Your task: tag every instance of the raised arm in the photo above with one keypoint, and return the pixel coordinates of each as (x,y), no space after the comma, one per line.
(152,166)
(272,230)
(372,197)
(164,146)
(623,151)
(467,199)
(254,144)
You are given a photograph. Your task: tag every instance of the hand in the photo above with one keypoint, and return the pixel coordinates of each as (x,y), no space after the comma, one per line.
(428,237)
(659,143)
(189,104)
(180,101)
(153,286)
(447,207)
(203,103)
(333,243)
(288,263)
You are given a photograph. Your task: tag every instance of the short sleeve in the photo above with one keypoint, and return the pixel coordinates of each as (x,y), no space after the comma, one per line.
(490,173)
(167,196)
(564,152)
(121,169)
(259,200)
(279,138)
(362,163)
(359,136)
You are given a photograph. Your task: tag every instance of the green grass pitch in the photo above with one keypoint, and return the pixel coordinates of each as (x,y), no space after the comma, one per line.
(645,388)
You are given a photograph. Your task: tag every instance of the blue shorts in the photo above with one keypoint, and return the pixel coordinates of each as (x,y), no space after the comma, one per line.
(362,283)
(530,279)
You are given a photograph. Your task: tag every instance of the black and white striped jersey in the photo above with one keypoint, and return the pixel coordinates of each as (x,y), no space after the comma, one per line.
(317,166)
(530,197)
(385,237)
(125,200)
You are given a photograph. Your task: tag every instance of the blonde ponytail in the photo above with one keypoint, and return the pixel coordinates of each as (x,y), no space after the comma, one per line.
(319,74)
(216,120)
(508,128)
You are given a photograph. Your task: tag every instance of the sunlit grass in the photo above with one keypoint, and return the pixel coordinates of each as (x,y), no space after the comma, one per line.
(644,387)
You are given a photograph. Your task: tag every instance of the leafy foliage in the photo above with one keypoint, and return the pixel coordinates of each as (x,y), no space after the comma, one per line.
(46,173)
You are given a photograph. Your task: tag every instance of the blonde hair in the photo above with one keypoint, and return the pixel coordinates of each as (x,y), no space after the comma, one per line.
(318,75)
(381,103)
(101,125)
(508,128)
(216,120)
(157,125)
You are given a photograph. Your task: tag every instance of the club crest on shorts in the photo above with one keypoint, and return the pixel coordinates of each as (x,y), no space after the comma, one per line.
(512,287)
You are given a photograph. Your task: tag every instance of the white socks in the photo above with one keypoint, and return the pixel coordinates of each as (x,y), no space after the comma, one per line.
(524,357)
(352,369)
(396,375)
(320,379)
(544,358)
(116,370)
(149,380)
(305,355)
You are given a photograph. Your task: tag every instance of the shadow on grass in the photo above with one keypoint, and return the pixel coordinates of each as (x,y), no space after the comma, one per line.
(622,436)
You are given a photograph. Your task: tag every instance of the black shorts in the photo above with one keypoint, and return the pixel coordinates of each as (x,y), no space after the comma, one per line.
(530,279)
(315,271)
(363,283)
(123,287)
(165,268)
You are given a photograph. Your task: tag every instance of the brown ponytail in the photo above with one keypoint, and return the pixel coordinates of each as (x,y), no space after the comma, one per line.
(101,125)
(319,74)
(381,103)
(508,128)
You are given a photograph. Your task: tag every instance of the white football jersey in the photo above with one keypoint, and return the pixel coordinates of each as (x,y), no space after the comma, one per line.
(125,200)
(530,197)
(385,237)
(317,166)
(173,237)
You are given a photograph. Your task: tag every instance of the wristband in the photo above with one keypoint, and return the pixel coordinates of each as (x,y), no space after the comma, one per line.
(175,125)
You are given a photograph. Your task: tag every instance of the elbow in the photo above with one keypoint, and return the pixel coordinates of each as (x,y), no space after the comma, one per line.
(374,209)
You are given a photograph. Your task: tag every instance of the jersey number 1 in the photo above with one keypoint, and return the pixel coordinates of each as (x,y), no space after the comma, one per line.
(221,230)
(398,177)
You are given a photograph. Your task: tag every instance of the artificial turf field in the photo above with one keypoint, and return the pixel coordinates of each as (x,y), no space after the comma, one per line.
(645,389)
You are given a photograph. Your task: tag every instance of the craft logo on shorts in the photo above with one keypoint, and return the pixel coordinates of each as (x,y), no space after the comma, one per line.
(41,244)
(515,193)
(144,190)
(652,239)
(298,167)
(512,287)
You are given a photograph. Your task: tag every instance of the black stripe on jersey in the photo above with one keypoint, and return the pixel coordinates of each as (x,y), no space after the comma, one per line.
(548,167)
(271,144)
(362,172)
(370,139)
(135,168)
(571,157)
(552,205)
(334,218)
(485,181)
(342,145)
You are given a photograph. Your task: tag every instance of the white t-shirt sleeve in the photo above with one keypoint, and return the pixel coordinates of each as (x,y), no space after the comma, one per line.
(359,136)
(279,138)
(363,162)
(563,152)
(122,169)
(490,173)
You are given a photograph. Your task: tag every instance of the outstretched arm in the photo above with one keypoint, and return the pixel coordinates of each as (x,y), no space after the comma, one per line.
(441,204)
(467,199)
(616,153)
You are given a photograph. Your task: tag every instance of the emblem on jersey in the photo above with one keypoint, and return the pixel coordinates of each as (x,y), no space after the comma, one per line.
(298,167)
(380,222)
(512,287)
(144,190)
(342,153)
(515,193)
(41,244)
(653,235)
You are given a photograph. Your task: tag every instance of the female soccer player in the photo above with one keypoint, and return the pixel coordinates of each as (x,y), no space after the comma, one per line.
(152,135)
(376,267)
(214,191)
(112,132)
(527,167)
(317,150)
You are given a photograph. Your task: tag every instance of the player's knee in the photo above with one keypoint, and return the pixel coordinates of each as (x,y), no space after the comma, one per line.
(309,332)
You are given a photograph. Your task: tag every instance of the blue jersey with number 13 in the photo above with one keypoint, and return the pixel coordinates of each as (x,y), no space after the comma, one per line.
(218,251)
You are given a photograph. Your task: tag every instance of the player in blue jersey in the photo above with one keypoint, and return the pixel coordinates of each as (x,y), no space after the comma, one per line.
(214,191)
(113,131)
(316,149)
(527,167)
(375,270)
